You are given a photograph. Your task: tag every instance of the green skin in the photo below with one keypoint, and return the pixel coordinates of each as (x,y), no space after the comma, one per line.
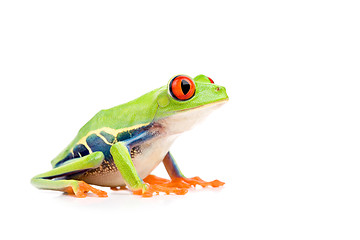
(154,106)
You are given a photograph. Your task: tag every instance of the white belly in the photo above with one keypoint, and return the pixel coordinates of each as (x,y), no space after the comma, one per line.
(152,154)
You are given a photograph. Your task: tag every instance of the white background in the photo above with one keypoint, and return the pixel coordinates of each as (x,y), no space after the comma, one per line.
(286,144)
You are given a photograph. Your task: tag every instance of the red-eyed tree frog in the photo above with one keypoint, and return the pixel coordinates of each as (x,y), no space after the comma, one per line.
(120,147)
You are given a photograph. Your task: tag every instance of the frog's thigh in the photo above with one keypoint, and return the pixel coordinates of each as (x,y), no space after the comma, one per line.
(124,164)
(171,166)
(47,180)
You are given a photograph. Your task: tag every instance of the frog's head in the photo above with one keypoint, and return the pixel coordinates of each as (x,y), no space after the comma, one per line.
(185,101)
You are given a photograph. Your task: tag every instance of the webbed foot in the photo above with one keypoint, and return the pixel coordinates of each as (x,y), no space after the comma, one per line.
(150,188)
(196,181)
(178,186)
(81,188)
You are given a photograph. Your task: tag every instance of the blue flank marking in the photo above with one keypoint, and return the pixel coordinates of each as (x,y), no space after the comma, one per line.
(96,144)
(67,158)
(138,138)
(80,150)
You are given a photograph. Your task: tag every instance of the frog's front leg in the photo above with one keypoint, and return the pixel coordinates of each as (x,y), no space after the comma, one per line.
(178,179)
(50,180)
(124,164)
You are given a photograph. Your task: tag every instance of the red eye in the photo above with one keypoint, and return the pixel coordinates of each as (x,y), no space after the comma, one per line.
(182,87)
(210,80)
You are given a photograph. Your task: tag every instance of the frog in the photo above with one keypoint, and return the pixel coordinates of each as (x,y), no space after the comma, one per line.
(120,147)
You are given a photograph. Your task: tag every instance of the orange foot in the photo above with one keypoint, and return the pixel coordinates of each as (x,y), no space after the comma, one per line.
(83,188)
(178,186)
(198,181)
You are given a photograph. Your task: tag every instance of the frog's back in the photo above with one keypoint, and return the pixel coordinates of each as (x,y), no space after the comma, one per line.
(108,127)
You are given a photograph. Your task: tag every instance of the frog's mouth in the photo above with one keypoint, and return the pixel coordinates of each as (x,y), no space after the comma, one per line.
(184,120)
(219,103)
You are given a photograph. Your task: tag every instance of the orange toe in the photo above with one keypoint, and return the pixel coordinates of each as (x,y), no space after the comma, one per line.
(83,189)
(168,190)
(177,186)
(198,181)
(158,185)
(152,179)
(157,189)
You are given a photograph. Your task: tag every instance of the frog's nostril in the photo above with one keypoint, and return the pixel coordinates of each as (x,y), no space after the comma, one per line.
(217,89)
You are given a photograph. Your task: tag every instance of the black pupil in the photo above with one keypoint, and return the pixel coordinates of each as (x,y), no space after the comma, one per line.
(185,86)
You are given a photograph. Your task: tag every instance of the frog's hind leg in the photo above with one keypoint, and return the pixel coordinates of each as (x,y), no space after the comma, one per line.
(54,179)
